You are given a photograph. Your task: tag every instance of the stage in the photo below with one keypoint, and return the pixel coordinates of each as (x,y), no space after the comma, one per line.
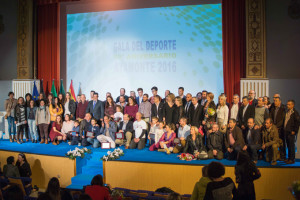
(139,169)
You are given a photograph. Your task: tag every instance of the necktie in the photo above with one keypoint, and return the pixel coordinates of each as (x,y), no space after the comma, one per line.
(94,104)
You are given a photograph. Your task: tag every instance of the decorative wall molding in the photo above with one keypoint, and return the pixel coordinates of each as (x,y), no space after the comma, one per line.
(255,39)
(260,86)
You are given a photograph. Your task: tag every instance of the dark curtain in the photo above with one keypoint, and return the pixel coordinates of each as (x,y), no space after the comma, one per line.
(234,45)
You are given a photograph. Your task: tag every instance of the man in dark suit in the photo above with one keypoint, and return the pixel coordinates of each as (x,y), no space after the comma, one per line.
(196,113)
(277,114)
(188,104)
(157,109)
(125,127)
(245,112)
(96,108)
(291,127)
(234,140)
(251,97)
(253,140)
(139,98)
(122,93)
(181,95)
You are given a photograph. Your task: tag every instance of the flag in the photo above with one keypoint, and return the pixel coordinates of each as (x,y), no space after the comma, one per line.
(35,93)
(42,87)
(71,90)
(79,89)
(62,89)
(53,90)
(47,90)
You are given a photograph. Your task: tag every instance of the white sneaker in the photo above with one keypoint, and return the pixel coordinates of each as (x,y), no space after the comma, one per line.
(79,144)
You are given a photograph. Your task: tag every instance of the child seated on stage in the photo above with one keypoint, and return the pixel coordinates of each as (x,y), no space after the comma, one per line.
(166,142)
(96,130)
(75,139)
(154,125)
(118,116)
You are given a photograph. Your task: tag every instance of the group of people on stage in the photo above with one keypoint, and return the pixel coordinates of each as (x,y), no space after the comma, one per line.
(185,123)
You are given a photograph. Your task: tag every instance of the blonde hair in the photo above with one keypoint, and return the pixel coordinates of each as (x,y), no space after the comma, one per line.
(224,100)
(211,96)
(172,97)
(179,100)
(195,129)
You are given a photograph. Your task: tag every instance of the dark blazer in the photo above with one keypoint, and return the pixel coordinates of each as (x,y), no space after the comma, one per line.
(98,111)
(186,108)
(84,127)
(238,137)
(293,123)
(129,127)
(256,136)
(18,113)
(178,113)
(279,117)
(184,101)
(72,107)
(249,113)
(196,115)
(160,111)
(254,102)
(118,98)
(168,113)
(190,147)
(215,141)
(138,100)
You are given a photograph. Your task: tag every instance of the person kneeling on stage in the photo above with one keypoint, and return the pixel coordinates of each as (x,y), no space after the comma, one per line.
(75,139)
(125,127)
(270,141)
(166,142)
(194,144)
(55,133)
(234,141)
(183,133)
(140,128)
(107,132)
(215,142)
(85,125)
(94,128)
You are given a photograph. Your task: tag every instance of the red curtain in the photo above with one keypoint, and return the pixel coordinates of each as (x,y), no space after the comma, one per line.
(234,45)
(48,43)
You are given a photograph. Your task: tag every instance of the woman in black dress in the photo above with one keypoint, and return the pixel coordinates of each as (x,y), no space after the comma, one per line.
(23,166)
(246,172)
(169,108)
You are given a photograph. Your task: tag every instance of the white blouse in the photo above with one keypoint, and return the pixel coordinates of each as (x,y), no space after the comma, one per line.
(222,114)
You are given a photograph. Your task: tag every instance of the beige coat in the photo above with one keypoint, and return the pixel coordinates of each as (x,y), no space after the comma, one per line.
(9,105)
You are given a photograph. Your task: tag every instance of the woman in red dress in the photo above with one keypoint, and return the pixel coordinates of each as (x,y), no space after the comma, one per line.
(55,133)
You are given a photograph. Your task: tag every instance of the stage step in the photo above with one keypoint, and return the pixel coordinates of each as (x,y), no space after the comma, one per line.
(75,187)
(92,169)
(82,179)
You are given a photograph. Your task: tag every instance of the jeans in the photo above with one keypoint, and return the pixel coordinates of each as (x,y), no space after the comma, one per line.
(11,125)
(94,142)
(33,129)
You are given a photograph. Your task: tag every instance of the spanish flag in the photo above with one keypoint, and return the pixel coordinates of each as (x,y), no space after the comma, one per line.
(71,90)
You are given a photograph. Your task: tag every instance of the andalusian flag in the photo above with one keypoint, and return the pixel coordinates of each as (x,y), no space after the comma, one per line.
(53,90)
(35,93)
(71,90)
(62,89)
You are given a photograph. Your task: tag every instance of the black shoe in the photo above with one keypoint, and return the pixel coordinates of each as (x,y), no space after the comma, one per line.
(282,159)
(290,161)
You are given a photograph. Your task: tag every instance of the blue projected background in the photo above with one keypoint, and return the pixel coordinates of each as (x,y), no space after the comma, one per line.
(165,47)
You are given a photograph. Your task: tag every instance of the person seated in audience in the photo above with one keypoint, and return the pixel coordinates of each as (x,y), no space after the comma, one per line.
(81,108)
(245,112)
(261,113)
(271,141)
(13,192)
(67,127)
(145,108)
(107,132)
(234,140)
(122,102)
(55,192)
(153,126)
(125,127)
(251,97)
(154,93)
(246,172)
(220,187)
(194,144)
(10,170)
(20,119)
(234,107)
(55,110)
(118,116)
(174,196)
(291,127)
(267,102)
(31,112)
(215,143)
(166,142)
(157,109)
(253,140)
(183,133)
(96,190)
(94,128)
(131,108)
(42,119)
(85,126)
(110,107)
(196,113)
(75,139)
(23,166)
(55,134)
(200,186)
(139,135)
(122,94)
(277,114)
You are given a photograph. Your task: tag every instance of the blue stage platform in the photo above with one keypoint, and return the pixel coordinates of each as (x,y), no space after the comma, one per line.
(91,165)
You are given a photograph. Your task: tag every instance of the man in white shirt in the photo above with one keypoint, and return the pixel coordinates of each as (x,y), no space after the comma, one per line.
(183,132)
(139,98)
(139,127)
(145,108)
(234,107)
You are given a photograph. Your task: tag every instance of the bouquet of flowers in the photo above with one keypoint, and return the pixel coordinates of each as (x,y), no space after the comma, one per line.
(116,154)
(77,153)
(211,112)
(295,189)
(186,156)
